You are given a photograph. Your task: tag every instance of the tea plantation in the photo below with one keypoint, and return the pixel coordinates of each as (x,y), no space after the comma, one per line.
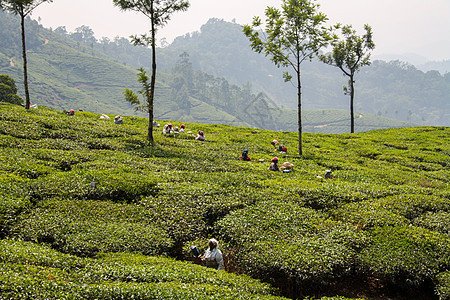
(90,210)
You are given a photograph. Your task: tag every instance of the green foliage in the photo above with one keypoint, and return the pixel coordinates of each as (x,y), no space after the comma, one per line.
(352,52)
(12,201)
(8,90)
(367,214)
(292,35)
(387,89)
(32,271)
(443,285)
(291,241)
(131,97)
(88,76)
(86,228)
(413,206)
(115,185)
(349,55)
(406,254)
(86,186)
(158,13)
(436,221)
(21,7)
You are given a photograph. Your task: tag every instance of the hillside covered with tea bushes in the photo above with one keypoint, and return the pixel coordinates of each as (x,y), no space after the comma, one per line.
(89,209)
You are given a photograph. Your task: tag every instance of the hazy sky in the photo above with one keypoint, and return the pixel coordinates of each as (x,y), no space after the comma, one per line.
(400,26)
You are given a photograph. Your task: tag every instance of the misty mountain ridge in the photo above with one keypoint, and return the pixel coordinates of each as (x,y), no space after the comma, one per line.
(219,49)
(420,62)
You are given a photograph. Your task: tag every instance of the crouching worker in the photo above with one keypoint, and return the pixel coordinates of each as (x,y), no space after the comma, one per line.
(167,129)
(213,257)
(200,136)
(245,156)
(274,165)
(282,149)
(118,119)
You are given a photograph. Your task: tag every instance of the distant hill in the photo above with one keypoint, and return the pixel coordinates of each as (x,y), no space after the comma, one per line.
(395,89)
(441,66)
(73,71)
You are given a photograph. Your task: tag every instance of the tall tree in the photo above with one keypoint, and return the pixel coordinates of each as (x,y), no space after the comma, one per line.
(159,13)
(349,54)
(23,8)
(292,35)
(84,34)
(182,82)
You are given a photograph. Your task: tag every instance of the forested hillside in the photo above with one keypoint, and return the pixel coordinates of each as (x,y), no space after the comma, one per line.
(91,210)
(393,89)
(73,70)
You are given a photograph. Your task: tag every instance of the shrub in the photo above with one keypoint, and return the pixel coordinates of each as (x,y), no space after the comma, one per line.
(368,214)
(37,272)
(88,227)
(404,254)
(117,185)
(156,199)
(327,195)
(412,206)
(275,239)
(8,90)
(437,221)
(12,201)
(443,285)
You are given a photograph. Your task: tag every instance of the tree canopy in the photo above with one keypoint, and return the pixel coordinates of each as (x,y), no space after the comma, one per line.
(159,13)
(349,54)
(292,35)
(8,90)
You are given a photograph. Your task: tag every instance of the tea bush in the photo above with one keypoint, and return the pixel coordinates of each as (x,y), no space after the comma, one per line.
(406,252)
(368,214)
(436,221)
(13,200)
(443,285)
(86,228)
(110,184)
(32,271)
(291,241)
(86,186)
(412,206)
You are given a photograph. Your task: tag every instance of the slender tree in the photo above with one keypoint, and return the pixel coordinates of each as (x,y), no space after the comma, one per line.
(159,13)
(349,54)
(182,84)
(23,8)
(292,35)
(145,92)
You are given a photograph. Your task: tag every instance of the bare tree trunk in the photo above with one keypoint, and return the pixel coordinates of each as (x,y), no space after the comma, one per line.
(299,94)
(152,80)
(352,96)
(24,57)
